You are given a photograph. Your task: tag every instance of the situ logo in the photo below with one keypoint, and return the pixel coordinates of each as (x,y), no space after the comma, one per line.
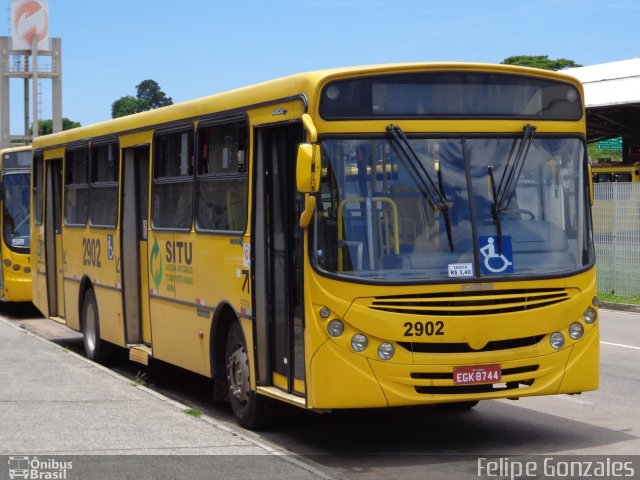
(178,256)
(35,468)
(156,264)
(30,18)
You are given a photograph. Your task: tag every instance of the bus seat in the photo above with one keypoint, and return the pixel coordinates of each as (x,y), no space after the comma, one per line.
(236,208)
(413,218)
(536,236)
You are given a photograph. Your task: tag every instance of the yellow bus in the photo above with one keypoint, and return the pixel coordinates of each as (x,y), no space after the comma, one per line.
(615,172)
(15,277)
(362,237)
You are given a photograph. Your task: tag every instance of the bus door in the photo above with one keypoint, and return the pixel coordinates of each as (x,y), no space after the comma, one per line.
(277,240)
(54,255)
(134,211)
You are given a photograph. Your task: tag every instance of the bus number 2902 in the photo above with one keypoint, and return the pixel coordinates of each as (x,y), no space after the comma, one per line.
(417,329)
(91,255)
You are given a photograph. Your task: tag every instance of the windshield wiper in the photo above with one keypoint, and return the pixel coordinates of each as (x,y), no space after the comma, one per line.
(433,194)
(512,172)
(445,211)
(434,197)
(495,211)
(501,196)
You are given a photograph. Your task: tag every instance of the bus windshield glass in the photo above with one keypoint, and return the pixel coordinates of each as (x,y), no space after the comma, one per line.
(376,221)
(16,211)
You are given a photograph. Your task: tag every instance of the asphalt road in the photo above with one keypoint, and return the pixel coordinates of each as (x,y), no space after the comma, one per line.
(430,442)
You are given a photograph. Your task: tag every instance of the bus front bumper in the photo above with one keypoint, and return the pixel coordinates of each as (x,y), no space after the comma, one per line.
(340,378)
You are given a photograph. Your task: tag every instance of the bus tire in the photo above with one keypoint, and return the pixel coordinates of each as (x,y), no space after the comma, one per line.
(250,409)
(94,348)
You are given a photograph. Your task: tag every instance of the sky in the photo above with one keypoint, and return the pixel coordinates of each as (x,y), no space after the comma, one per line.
(194,48)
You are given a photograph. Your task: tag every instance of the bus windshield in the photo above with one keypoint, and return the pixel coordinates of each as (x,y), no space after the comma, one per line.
(507,209)
(16,211)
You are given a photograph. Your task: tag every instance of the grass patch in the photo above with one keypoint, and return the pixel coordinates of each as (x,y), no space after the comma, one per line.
(194,412)
(140,379)
(630,300)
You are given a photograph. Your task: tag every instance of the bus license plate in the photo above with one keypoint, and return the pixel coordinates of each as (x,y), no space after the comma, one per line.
(477,374)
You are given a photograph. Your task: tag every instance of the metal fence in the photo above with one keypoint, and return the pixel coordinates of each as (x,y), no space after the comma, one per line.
(616,228)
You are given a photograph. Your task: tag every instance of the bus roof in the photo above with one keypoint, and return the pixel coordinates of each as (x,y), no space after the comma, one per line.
(307,83)
(20,148)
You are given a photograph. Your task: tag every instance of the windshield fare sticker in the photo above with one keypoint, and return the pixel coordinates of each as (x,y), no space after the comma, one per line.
(497,255)
(460,270)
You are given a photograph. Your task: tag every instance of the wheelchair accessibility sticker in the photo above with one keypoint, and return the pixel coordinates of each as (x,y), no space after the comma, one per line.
(493,260)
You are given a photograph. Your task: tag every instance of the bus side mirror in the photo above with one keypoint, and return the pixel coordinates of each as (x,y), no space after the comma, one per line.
(308,168)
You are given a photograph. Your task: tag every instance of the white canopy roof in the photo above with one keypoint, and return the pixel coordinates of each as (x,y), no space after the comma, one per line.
(608,84)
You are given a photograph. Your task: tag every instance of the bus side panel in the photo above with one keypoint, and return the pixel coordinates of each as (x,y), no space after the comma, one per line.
(200,272)
(39,270)
(71,264)
(180,329)
(111,319)
(217,277)
(71,292)
(91,253)
(180,336)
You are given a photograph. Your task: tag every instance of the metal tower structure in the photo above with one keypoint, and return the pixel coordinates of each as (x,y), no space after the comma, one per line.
(24,55)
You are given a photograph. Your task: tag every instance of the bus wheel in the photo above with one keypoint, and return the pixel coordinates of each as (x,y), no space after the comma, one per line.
(94,348)
(249,408)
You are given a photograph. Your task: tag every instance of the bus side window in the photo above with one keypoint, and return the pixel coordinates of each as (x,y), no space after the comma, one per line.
(172,189)
(103,194)
(621,177)
(76,197)
(222,177)
(601,178)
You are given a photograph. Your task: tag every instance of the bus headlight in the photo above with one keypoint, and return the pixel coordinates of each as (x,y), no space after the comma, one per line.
(590,315)
(335,328)
(359,342)
(556,340)
(595,301)
(576,330)
(385,351)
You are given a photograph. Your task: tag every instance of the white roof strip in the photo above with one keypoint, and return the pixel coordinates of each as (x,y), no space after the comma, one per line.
(614,83)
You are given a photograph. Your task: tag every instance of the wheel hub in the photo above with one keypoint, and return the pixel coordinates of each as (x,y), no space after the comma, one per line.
(238,375)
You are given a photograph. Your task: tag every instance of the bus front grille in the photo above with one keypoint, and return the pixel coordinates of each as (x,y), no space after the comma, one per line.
(489,302)
(492,346)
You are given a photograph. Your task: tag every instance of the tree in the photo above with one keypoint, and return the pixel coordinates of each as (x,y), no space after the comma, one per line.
(45,127)
(149,90)
(540,61)
(128,105)
(148,96)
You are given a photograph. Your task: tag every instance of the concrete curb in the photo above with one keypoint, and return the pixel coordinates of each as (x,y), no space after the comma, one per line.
(624,307)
